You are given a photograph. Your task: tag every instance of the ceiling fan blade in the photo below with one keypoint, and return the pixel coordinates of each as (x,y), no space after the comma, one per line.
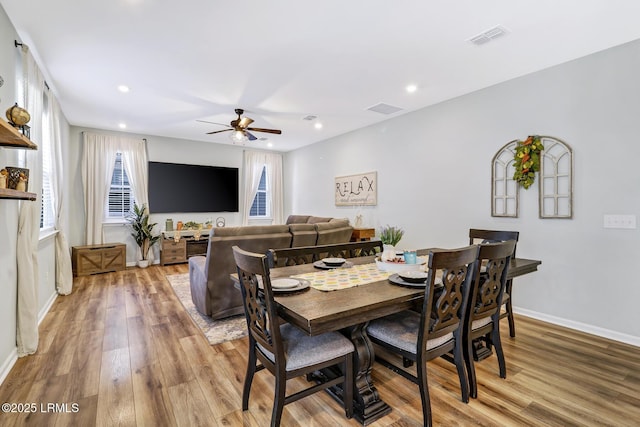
(276,131)
(218,131)
(250,136)
(213,123)
(244,122)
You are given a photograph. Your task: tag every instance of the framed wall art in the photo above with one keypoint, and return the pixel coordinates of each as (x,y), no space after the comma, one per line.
(357,190)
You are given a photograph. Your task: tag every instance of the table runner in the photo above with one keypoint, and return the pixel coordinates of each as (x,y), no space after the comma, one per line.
(343,278)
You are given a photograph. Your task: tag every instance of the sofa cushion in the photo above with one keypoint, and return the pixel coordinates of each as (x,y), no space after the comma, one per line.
(250,230)
(297,219)
(303,235)
(334,231)
(318,219)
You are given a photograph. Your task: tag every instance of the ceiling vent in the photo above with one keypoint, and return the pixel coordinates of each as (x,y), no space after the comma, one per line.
(309,117)
(488,35)
(383,108)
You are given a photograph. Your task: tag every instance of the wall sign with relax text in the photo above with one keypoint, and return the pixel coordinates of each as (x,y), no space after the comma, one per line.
(357,190)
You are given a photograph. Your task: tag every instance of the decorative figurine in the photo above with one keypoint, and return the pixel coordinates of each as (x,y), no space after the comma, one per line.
(3,178)
(22,182)
(18,116)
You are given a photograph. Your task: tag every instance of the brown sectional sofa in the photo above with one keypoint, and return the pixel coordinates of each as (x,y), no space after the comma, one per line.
(212,289)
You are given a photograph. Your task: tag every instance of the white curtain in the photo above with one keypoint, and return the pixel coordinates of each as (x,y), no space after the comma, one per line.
(254,162)
(29,218)
(97,169)
(99,156)
(64,275)
(134,158)
(274,175)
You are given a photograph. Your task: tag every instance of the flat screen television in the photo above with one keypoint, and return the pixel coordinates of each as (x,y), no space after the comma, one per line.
(176,187)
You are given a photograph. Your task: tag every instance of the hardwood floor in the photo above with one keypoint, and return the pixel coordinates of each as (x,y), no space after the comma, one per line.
(121,350)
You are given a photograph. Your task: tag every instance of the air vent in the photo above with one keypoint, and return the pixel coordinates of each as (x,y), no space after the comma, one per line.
(488,35)
(309,117)
(383,108)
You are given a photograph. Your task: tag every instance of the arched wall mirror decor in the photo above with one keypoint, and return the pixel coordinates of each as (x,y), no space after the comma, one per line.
(504,190)
(555,181)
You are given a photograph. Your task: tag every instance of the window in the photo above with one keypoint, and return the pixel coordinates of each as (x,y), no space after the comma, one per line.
(120,197)
(260,207)
(46,209)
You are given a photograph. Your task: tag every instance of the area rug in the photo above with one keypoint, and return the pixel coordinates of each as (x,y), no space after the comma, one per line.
(216,331)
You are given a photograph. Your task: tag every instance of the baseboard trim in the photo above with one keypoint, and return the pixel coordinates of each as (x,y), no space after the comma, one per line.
(8,364)
(13,356)
(579,326)
(44,310)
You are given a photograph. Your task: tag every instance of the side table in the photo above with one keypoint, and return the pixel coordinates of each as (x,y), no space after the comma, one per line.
(361,234)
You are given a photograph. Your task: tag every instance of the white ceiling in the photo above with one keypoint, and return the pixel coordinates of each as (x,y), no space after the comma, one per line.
(282,60)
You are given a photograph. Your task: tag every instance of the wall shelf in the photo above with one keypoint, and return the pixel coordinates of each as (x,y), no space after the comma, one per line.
(7,193)
(11,137)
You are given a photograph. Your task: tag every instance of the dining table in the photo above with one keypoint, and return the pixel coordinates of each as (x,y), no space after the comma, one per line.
(349,310)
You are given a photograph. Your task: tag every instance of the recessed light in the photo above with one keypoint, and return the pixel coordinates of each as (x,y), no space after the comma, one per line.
(123,88)
(411,88)
(318,125)
(269,144)
(122,125)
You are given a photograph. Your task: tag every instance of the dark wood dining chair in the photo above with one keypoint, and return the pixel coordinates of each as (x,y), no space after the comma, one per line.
(438,329)
(485,299)
(286,351)
(494,236)
(309,254)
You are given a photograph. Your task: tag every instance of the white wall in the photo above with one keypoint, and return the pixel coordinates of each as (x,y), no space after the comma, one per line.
(9,210)
(434,174)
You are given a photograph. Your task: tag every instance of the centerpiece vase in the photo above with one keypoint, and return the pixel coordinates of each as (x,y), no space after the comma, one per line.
(388,252)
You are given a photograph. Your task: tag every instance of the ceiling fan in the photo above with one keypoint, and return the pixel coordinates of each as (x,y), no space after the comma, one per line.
(240,128)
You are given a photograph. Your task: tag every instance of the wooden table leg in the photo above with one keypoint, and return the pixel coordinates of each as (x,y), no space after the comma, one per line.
(367,404)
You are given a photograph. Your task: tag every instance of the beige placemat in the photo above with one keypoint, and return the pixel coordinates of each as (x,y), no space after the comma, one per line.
(343,278)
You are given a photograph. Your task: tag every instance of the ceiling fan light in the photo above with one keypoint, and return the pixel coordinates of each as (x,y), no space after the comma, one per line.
(239,137)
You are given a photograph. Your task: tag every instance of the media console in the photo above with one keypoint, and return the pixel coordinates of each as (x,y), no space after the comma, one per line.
(172,252)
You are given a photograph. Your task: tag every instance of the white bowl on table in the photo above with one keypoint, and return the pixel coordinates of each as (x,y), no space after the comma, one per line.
(397,267)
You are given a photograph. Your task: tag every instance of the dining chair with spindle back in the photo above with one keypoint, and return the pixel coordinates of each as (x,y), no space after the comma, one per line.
(283,349)
(483,311)
(438,329)
(308,254)
(495,236)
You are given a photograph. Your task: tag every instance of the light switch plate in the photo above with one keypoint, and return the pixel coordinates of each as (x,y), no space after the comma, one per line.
(620,221)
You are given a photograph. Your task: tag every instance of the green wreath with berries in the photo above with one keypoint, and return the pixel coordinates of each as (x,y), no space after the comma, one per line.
(527,160)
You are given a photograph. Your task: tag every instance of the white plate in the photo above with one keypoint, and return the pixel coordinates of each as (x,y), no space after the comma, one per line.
(397,280)
(284,283)
(334,262)
(416,276)
(321,265)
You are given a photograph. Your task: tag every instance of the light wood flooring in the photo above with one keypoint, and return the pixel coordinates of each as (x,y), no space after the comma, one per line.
(124,350)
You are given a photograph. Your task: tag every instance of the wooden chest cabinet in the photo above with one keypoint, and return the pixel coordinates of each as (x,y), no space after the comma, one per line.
(173,252)
(93,259)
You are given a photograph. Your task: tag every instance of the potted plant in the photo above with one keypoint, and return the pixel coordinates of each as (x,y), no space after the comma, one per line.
(142,232)
(390,236)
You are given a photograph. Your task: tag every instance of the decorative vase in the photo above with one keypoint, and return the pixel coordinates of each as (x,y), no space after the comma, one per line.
(143,263)
(388,253)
